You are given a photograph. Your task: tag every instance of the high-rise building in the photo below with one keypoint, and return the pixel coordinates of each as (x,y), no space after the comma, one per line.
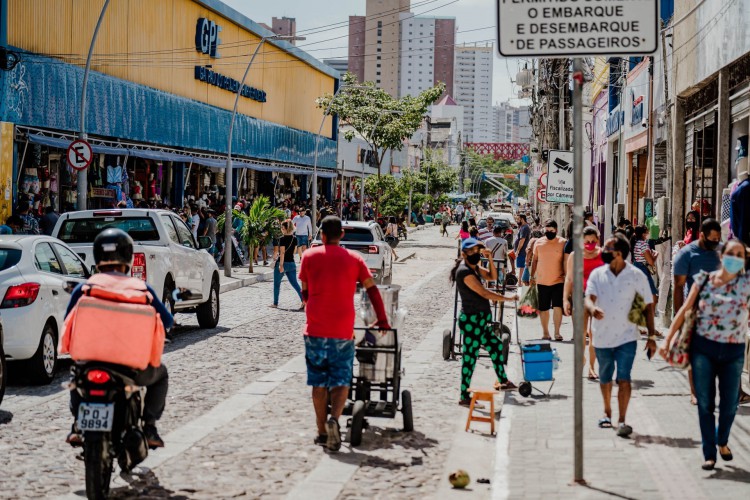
(472,89)
(375,43)
(426,56)
(511,123)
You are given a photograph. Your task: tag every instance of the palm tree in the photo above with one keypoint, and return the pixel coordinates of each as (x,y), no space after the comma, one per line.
(257,226)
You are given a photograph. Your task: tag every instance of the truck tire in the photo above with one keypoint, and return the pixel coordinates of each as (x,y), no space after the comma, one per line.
(208,312)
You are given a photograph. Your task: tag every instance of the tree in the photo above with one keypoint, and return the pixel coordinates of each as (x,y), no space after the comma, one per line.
(261,223)
(477,164)
(365,106)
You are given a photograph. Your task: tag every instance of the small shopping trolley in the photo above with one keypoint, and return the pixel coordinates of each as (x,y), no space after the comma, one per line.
(538,362)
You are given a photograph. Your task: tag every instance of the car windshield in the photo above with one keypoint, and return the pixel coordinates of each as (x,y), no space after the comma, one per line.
(357,234)
(9,257)
(85,230)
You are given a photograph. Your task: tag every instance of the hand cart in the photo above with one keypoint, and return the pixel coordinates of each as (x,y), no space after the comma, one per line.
(538,363)
(376,384)
(452,344)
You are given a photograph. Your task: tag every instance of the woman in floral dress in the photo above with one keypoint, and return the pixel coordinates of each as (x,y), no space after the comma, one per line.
(717,349)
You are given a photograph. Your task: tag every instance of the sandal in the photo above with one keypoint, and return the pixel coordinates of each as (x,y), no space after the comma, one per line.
(605,423)
(744,398)
(593,376)
(507,386)
(727,457)
(624,430)
(708,465)
(558,338)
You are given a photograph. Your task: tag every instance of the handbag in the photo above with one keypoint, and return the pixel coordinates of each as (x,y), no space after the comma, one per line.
(636,314)
(679,353)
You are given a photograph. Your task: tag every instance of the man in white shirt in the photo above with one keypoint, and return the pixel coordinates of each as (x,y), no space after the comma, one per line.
(304,231)
(485,233)
(459,212)
(499,248)
(610,292)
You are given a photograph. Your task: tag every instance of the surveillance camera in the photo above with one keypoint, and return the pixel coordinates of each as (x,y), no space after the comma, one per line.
(644,123)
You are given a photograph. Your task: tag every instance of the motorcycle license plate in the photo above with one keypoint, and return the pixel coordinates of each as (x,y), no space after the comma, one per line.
(95,416)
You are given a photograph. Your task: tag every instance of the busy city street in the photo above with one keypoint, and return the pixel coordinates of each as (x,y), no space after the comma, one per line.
(354,249)
(232,387)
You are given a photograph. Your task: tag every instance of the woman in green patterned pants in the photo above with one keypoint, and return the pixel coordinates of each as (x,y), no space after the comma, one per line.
(475,320)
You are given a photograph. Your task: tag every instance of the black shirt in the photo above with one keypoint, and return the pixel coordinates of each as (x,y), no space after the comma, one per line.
(471,301)
(288,244)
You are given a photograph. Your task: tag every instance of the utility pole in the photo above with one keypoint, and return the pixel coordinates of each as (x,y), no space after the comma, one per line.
(667,111)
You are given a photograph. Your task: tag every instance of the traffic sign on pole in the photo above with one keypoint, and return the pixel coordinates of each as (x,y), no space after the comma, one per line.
(541,195)
(543,179)
(536,29)
(560,173)
(79,155)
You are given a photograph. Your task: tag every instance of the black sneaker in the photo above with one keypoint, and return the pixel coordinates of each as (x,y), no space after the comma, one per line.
(75,438)
(152,437)
(321,440)
(334,434)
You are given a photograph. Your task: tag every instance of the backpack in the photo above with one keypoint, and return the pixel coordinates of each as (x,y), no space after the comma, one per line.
(114,322)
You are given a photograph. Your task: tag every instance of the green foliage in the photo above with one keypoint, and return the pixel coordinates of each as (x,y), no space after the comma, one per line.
(363,107)
(259,225)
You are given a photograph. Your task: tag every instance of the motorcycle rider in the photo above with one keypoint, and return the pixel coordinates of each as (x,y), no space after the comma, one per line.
(113,254)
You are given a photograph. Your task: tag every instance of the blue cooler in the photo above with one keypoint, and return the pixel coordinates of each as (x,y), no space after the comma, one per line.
(538,360)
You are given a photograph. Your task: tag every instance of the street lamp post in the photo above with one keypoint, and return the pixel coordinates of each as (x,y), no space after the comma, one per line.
(83,174)
(228,177)
(314,215)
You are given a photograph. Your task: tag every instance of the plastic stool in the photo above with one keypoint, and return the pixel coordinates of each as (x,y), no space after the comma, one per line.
(478,394)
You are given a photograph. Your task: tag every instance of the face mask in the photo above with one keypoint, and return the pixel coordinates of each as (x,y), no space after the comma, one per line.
(551,235)
(733,264)
(691,224)
(608,257)
(589,246)
(710,245)
(473,259)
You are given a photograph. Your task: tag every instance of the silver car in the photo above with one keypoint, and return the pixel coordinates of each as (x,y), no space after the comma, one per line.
(368,239)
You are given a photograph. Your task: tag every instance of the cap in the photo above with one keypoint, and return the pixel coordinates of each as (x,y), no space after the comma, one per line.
(470,243)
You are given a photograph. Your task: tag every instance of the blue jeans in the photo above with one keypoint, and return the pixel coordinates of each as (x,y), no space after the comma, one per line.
(290,270)
(644,270)
(620,358)
(709,360)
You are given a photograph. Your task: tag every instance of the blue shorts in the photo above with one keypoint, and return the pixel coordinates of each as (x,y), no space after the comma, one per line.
(622,356)
(526,276)
(521,260)
(329,362)
(302,240)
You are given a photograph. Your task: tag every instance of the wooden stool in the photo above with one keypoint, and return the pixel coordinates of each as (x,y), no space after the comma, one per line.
(478,394)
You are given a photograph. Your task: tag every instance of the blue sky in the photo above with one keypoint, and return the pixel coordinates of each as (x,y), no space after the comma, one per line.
(331,42)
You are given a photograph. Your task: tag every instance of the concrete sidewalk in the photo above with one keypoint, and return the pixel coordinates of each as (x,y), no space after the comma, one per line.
(661,459)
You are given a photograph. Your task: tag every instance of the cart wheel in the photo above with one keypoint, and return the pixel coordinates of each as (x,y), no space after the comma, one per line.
(406,411)
(504,329)
(358,422)
(447,345)
(525,389)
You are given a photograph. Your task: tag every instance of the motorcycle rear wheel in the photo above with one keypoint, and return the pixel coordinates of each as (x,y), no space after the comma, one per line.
(98,459)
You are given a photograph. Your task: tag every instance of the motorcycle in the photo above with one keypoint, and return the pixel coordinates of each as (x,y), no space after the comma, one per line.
(110,419)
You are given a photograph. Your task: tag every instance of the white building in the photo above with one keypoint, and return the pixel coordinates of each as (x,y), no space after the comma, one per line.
(448,129)
(473,90)
(511,123)
(417,54)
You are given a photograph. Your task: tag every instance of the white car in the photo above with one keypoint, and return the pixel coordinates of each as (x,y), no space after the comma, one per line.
(165,255)
(368,239)
(37,275)
(3,376)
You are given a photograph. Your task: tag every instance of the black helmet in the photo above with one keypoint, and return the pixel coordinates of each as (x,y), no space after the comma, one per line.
(113,247)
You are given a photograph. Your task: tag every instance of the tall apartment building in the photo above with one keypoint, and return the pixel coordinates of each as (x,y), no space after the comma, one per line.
(375,43)
(511,123)
(427,53)
(472,89)
(286,26)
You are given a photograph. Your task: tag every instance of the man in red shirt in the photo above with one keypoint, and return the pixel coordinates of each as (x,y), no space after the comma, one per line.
(329,276)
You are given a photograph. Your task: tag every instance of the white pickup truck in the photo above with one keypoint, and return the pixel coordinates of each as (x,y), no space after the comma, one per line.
(165,255)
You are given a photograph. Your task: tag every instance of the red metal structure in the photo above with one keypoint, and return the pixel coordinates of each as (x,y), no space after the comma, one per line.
(500,150)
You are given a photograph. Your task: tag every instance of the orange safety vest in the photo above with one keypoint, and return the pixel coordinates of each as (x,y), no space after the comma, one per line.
(114,322)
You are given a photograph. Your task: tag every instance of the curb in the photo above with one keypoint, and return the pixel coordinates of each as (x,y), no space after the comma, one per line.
(407,257)
(236,284)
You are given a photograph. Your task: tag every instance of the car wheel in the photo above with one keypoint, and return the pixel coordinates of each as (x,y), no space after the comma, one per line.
(208,312)
(42,366)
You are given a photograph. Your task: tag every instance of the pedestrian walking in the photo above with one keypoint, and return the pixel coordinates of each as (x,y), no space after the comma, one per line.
(48,221)
(475,319)
(643,257)
(498,247)
(329,275)
(548,274)
(699,256)
(463,233)
(304,230)
(210,231)
(391,235)
(592,259)
(717,348)
(520,246)
(610,292)
(486,232)
(30,224)
(285,265)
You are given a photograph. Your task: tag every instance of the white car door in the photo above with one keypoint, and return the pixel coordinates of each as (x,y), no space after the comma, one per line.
(52,296)
(74,273)
(181,260)
(193,256)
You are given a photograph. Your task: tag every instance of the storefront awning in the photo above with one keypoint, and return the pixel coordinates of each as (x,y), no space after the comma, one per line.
(161,155)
